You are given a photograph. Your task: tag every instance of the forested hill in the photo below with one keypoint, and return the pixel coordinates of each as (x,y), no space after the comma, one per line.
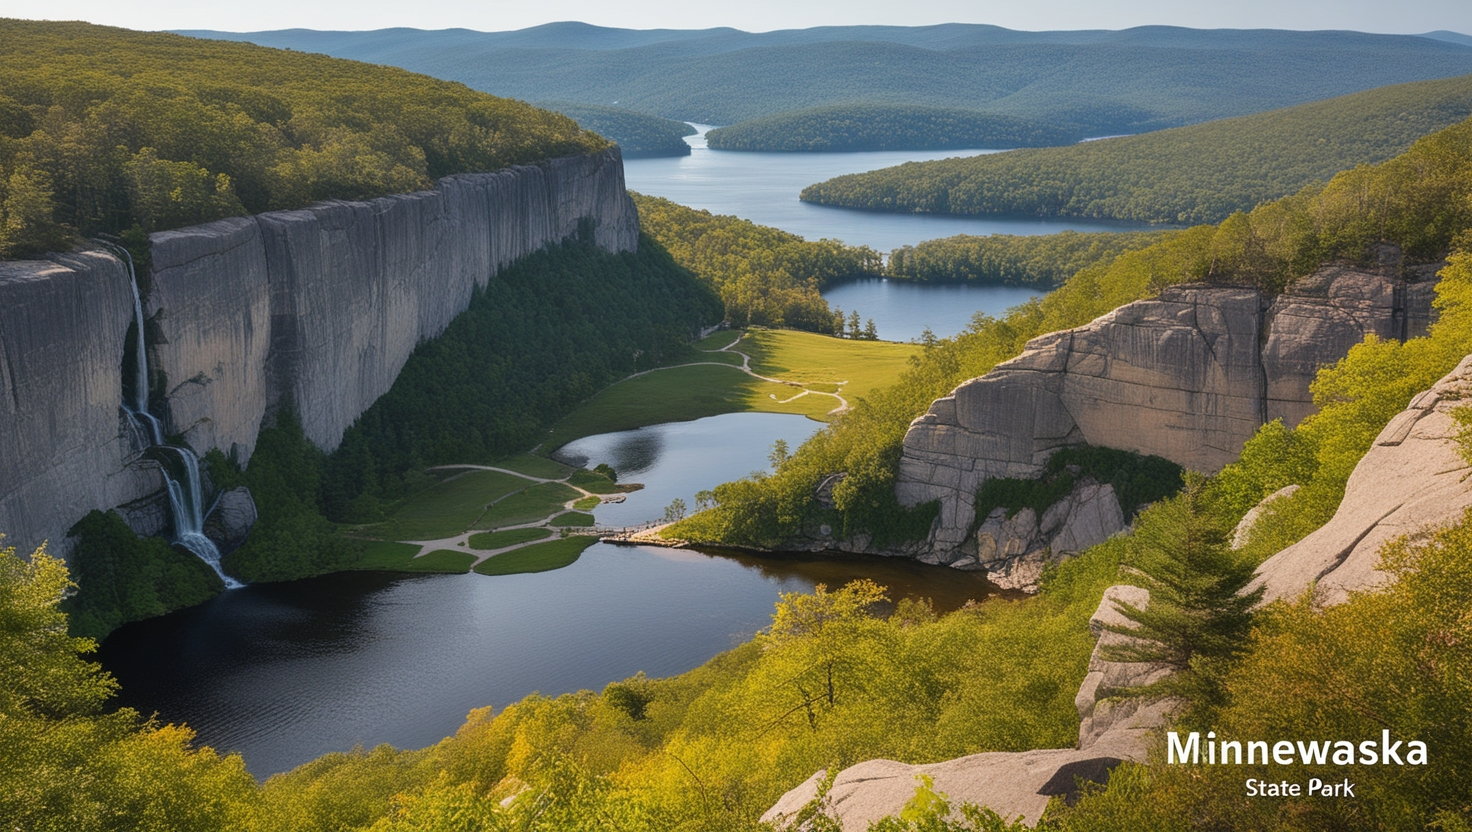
(850,127)
(638,134)
(102,129)
(1104,83)
(1191,174)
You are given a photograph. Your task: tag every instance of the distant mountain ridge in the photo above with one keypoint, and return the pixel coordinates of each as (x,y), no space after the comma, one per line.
(1098,81)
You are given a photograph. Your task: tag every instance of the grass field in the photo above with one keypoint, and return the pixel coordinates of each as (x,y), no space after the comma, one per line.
(596,483)
(587,503)
(536,503)
(449,507)
(486,541)
(539,557)
(572,518)
(718,340)
(535,466)
(386,556)
(815,362)
(821,362)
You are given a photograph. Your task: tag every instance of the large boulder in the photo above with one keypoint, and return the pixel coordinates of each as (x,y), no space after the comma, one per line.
(231,519)
(1412,479)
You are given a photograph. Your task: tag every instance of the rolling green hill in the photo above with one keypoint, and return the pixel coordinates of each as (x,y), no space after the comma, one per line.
(1191,174)
(1042,260)
(1104,83)
(638,134)
(849,127)
(169,131)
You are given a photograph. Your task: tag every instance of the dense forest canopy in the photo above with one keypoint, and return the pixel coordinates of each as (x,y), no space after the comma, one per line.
(1042,260)
(1192,174)
(764,276)
(851,127)
(638,134)
(168,131)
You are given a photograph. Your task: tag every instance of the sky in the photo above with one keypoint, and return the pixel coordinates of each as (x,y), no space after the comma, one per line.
(1389,16)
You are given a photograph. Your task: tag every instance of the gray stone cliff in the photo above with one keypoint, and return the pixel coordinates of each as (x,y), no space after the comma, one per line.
(320,307)
(1188,376)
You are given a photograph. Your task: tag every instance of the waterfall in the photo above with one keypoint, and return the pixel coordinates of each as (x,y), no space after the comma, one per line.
(186,497)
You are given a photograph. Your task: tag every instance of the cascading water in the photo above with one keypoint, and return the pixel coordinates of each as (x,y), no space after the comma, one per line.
(186,498)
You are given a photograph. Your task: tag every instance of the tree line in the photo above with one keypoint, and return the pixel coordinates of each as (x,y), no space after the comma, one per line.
(1201,173)
(105,129)
(851,127)
(765,277)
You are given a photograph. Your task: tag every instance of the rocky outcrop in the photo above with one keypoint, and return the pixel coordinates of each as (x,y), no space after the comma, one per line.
(1015,549)
(1413,479)
(64,446)
(1015,785)
(230,519)
(320,307)
(1188,376)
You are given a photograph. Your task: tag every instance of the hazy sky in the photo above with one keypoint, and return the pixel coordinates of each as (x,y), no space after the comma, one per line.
(1406,16)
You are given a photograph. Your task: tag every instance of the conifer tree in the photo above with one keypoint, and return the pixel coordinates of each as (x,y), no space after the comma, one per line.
(1199,614)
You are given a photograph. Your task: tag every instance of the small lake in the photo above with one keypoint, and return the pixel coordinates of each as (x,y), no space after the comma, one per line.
(284,673)
(903,309)
(763,188)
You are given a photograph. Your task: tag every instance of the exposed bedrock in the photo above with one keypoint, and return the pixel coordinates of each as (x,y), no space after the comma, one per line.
(320,307)
(1412,480)
(1188,376)
(64,444)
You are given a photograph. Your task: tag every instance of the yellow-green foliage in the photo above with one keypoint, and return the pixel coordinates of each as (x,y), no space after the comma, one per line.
(1391,660)
(104,128)
(1419,200)
(1200,173)
(766,277)
(66,764)
(1041,260)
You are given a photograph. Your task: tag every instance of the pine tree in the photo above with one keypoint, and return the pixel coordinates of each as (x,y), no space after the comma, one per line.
(1199,615)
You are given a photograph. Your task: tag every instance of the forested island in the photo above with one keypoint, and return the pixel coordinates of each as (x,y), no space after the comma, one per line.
(1187,175)
(854,127)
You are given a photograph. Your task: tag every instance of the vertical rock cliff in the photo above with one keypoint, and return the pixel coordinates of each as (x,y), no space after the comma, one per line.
(64,444)
(318,307)
(1188,376)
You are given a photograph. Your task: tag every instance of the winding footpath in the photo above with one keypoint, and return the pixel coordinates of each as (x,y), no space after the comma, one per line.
(639,533)
(745,367)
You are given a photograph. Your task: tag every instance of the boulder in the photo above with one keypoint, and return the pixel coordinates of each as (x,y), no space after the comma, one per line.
(231,519)
(1412,479)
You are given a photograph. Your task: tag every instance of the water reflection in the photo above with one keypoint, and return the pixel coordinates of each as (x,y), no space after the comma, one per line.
(678,459)
(284,673)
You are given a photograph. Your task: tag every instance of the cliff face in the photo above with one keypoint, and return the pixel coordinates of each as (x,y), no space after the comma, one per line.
(1188,376)
(64,445)
(320,307)
(323,306)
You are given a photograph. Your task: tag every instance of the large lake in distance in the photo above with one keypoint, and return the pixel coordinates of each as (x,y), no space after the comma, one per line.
(763,188)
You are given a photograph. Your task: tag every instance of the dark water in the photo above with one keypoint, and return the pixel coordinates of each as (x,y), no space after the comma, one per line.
(284,673)
(763,188)
(902,309)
